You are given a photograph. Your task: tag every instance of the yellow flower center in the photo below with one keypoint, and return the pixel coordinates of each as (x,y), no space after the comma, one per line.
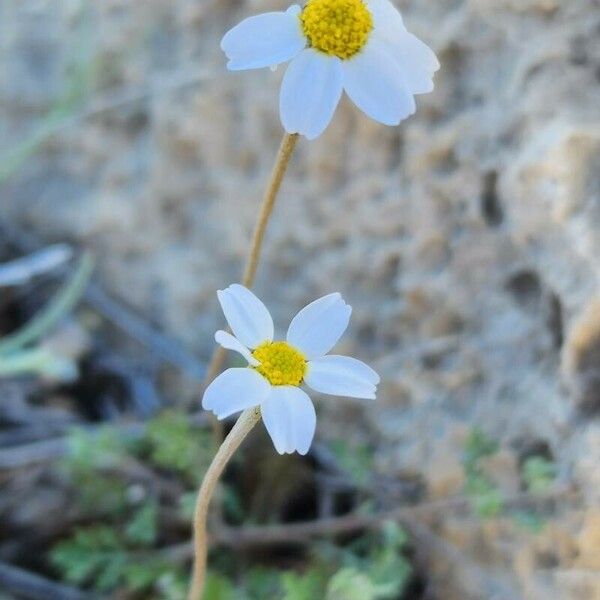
(337,27)
(280,363)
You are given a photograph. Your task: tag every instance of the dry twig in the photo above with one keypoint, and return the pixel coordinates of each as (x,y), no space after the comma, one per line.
(303,532)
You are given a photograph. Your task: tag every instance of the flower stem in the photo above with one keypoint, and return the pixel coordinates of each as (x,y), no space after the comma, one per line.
(286,149)
(241,429)
(250,417)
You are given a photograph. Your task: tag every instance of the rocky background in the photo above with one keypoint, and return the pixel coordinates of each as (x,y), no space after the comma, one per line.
(467,239)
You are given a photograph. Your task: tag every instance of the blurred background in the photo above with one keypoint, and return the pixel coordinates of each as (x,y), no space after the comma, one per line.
(467,241)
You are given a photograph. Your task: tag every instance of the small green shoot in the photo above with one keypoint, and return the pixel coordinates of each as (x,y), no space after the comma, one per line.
(538,474)
(486,498)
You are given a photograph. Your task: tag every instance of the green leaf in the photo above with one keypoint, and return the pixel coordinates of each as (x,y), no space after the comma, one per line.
(187,505)
(176,445)
(88,451)
(142,575)
(143,527)
(92,555)
(89,454)
(387,566)
(350,584)
(477,446)
(538,474)
(219,587)
(488,504)
(306,586)
(173,584)
(487,499)
(262,583)
(395,538)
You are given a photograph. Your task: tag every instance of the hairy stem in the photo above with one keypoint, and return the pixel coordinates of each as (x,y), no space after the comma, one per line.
(241,429)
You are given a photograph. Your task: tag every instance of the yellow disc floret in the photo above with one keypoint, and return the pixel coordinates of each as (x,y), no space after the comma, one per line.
(337,27)
(280,363)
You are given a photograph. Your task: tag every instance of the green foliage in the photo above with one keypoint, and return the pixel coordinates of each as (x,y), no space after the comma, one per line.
(372,568)
(142,529)
(101,556)
(187,504)
(90,451)
(94,554)
(142,573)
(350,584)
(173,584)
(538,474)
(176,445)
(487,499)
(477,446)
(122,554)
(219,587)
(261,582)
(89,456)
(375,565)
(356,460)
(387,566)
(380,558)
(303,586)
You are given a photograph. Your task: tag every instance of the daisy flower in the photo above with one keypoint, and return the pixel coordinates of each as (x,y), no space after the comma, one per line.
(358,46)
(277,369)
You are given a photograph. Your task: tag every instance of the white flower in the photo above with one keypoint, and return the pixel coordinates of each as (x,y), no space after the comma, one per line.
(276,369)
(357,46)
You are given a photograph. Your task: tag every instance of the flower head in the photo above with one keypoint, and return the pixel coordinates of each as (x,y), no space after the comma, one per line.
(277,369)
(357,46)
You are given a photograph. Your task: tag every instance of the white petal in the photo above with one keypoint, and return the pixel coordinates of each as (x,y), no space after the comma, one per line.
(264,40)
(235,390)
(417,61)
(310,92)
(247,316)
(376,84)
(342,376)
(387,20)
(318,326)
(417,52)
(290,419)
(230,342)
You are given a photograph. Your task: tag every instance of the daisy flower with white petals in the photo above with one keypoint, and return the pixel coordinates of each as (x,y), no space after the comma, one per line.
(358,46)
(277,369)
